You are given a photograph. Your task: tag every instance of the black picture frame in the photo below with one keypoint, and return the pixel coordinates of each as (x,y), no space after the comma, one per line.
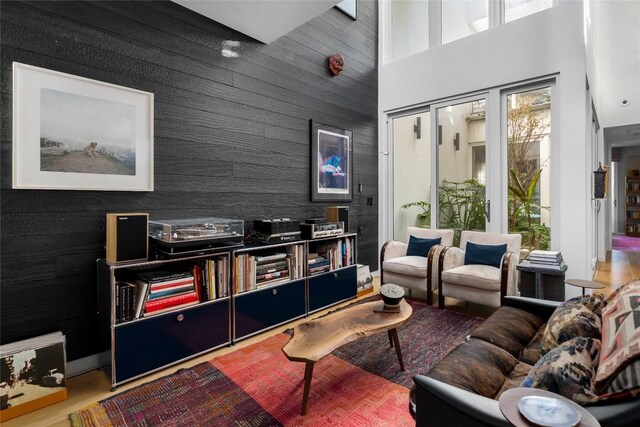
(331,163)
(350,7)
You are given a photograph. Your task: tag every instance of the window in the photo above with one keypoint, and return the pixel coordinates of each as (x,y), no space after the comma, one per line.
(463,18)
(409,28)
(516,9)
(529,166)
(410,21)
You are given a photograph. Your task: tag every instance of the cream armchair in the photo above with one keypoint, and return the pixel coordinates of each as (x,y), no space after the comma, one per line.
(413,272)
(476,282)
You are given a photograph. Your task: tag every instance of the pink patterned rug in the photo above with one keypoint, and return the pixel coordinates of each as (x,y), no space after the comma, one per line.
(625,243)
(358,385)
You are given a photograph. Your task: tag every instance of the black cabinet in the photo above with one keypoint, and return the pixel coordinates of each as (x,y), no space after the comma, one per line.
(332,270)
(332,287)
(135,340)
(263,309)
(268,286)
(143,346)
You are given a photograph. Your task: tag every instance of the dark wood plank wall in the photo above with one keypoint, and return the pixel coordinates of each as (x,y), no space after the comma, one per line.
(231,138)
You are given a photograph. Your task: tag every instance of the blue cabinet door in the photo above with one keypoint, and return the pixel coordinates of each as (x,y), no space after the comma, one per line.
(258,310)
(161,340)
(332,287)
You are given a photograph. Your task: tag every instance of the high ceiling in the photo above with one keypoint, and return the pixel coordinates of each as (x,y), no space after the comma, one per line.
(616,33)
(616,44)
(264,20)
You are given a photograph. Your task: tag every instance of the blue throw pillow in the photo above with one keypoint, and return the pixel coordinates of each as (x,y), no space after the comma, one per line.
(420,247)
(484,254)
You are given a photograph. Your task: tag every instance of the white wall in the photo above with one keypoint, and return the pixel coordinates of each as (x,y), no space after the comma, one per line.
(412,157)
(548,43)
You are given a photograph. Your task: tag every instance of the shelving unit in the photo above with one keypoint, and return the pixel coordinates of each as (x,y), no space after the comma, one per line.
(332,271)
(632,208)
(135,342)
(268,287)
(241,291)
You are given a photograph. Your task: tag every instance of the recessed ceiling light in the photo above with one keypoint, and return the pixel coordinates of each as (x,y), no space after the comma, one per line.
(625,102)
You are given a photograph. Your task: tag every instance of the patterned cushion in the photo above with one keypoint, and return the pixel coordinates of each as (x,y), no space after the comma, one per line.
(573,318)
(594,302)
(568,370)
(620,338)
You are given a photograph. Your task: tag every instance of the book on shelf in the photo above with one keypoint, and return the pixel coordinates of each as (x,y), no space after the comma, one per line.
(275,275)
(32,374)
(270,258)
(272,282)
(126,294)
(170,284)
(271,268)
(170,303)
(142,289)
(170,292)
(221,282)
(162,276)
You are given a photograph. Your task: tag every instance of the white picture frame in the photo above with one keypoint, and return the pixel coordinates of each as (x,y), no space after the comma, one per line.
(75,133)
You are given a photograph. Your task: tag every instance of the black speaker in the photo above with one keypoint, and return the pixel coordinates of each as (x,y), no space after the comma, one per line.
(339,213)
(127,237)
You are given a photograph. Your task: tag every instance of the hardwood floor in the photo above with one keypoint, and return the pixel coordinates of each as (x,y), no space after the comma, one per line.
(619,268)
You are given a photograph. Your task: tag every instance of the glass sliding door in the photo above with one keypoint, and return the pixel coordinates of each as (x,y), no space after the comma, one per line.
(411,172)
(462,166)
(529,166)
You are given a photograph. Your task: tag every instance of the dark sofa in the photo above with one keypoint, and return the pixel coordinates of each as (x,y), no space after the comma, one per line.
(463,388)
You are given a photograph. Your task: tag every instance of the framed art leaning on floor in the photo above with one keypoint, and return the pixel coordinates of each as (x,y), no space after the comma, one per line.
(74,133)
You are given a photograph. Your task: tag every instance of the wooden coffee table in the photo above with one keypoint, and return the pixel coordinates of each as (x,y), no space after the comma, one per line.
(317,338)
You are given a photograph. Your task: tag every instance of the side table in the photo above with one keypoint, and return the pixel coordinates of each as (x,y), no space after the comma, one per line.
(541,281)
(508,404)
(590,284)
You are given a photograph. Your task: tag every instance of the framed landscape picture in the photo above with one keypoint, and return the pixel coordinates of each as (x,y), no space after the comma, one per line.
(73,133)
(331,163)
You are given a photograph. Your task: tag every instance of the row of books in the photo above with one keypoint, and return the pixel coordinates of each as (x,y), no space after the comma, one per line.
(633,186)
(157,291)
(332,256)
(633,214)
(633,200)
(255,271)
(211,278)
(546,258)
(633,228)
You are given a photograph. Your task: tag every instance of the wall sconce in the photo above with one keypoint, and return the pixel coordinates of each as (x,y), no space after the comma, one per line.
(456,141)
(439,134)
(417,128)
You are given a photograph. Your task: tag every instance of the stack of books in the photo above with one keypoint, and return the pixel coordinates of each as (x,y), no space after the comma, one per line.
(258,271)
(319,263)
(271,269)
(551,259)
(165,290)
